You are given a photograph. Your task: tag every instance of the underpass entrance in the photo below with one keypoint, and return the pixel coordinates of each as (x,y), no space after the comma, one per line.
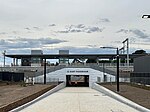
(77,80)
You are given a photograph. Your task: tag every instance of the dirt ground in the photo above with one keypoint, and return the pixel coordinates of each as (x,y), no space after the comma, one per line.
(135,94)
(11,93)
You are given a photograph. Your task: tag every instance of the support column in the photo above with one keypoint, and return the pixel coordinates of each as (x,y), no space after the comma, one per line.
(13,61)
(117,70)
(128,53)
(16,62)
(44,71)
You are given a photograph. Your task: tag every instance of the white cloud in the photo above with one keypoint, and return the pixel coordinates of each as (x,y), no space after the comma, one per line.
(81,28)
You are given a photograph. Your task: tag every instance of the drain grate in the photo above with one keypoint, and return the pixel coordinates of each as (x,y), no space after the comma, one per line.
(96,95)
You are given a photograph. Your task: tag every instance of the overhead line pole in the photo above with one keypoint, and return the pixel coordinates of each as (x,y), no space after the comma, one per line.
(117,53)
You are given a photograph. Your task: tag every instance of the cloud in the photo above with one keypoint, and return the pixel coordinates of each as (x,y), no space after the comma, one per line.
(116,42)
(3,33)
(28,43)
(36,28)
(106,20)
(27,28)
(92,46)
(81,28)
(85,50)
(93,29)
(123,31)
(14,32)
(52,25)
(33,28)
(138,33)
(63,31)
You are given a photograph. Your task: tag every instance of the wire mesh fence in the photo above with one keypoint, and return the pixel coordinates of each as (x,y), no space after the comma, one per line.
(140,80)
(133,80)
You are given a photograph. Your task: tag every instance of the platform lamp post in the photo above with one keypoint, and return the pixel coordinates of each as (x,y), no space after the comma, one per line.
(117,55)
(44,71)
(4,52)
(145,16)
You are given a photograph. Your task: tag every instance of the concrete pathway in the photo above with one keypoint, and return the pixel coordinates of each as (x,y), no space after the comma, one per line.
(78,99)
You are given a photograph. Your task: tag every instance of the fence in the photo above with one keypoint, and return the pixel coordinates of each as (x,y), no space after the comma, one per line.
(109,78)
(143,78)
(140,80)
(53,81)
(133,80)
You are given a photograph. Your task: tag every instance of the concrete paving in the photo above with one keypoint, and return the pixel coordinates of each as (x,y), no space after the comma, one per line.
(78,99)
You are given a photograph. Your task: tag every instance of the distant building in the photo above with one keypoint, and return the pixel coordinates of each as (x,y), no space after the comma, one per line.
(25,61)
(142,64)
(36,61)
(36,52)
(63,60)
(141,72)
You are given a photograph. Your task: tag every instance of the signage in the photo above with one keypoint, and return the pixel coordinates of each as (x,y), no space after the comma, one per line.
(77,71)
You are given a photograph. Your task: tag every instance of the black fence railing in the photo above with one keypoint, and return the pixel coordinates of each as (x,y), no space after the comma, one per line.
(143,78)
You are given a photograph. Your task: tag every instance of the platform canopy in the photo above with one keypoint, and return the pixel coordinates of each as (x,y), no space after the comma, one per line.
(73,56)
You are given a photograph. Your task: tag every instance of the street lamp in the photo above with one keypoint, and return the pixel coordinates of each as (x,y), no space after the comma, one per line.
(146,16)
(117,53)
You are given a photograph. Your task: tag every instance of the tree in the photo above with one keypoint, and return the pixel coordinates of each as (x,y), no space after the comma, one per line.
(91,61)
(140,52)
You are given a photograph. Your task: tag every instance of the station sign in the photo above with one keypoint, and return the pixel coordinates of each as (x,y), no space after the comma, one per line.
(77,71)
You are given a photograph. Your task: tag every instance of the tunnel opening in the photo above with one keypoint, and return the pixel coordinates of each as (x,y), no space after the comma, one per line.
(77,80)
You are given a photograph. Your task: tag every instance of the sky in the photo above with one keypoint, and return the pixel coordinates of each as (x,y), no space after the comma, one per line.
(81,26)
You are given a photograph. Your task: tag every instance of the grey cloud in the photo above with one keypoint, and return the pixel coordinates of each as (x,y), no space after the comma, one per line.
(50,41)
(14,32)
(2,42)
(3,33)
(52,25)
(138,33)
(33,28)
(86,50)
(63,31)
(93,29)
(116,42)
(123,31)
(75,30)
(28,43)
(36,28)
(93,46)
(104,20)
(27,28)
(81,28)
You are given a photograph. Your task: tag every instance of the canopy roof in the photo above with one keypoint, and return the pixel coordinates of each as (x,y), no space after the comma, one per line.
(73,56)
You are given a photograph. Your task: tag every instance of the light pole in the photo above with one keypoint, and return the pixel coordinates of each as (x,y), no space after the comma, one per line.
(4,52)
(117,53)
(146,16)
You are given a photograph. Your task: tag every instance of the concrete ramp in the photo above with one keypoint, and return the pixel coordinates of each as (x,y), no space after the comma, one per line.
(78,99)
